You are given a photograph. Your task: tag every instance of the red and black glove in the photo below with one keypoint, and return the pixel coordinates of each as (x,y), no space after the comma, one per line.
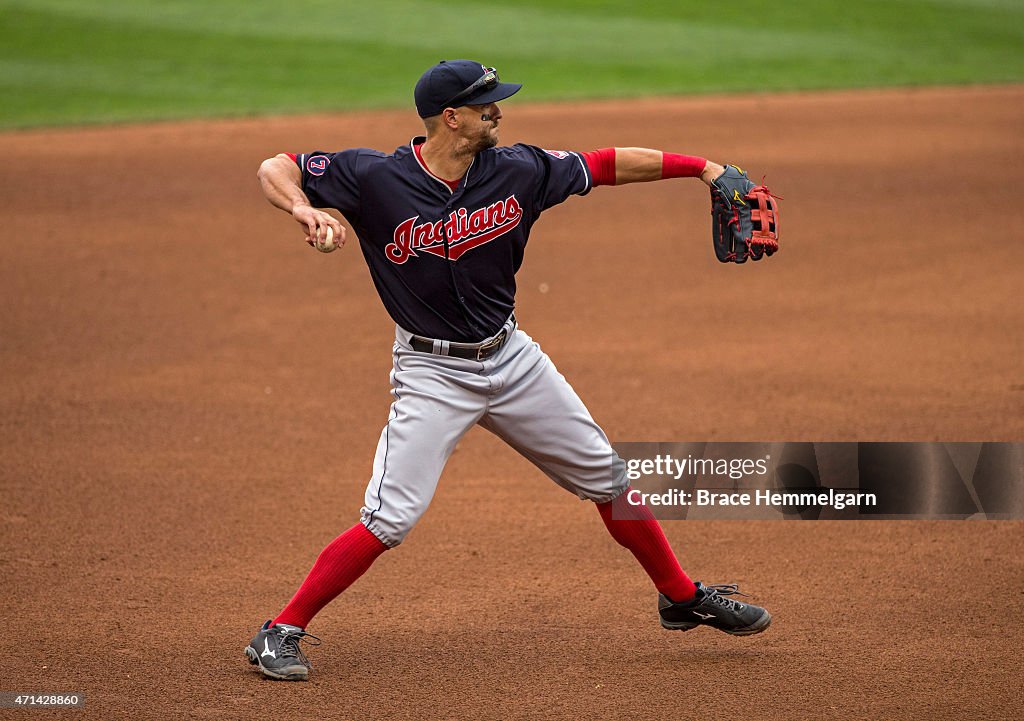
(744,218)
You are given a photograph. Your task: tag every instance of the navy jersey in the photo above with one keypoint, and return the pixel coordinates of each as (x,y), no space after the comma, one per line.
(443,261)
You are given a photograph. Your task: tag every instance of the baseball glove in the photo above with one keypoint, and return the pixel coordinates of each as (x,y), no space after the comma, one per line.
(744,218)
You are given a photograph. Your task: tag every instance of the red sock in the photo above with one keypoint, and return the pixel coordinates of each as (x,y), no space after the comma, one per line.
(345,559)
(636,529)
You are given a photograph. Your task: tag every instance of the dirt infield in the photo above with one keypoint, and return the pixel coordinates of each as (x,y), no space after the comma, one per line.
(192,396)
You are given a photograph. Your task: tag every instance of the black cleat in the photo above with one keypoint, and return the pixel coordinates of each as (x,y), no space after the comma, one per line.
(710,608)
(275,649)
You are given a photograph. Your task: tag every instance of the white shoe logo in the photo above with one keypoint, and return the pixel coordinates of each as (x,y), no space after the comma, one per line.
(267,651)
(705,616)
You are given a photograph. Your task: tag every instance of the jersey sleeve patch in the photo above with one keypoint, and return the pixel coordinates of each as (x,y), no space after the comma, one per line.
(560,154)
(317,164)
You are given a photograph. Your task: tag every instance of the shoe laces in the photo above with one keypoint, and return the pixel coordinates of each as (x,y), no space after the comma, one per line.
(289,644)
(716,592)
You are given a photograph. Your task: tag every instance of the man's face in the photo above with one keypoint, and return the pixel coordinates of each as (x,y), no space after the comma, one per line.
(482,134)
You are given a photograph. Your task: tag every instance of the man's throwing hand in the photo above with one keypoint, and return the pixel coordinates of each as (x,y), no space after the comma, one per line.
(322,230)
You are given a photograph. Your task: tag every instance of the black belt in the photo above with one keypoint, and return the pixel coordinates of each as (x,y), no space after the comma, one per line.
(469,351)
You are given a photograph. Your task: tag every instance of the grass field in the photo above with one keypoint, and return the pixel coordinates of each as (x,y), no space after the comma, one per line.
(74,61)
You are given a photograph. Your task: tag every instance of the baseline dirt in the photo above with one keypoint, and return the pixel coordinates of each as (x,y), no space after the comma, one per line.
(192,396)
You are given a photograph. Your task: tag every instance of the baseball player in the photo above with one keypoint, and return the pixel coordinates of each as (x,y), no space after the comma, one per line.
(443,223)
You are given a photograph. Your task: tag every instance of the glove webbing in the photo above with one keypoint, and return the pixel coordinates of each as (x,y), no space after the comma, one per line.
(764,216)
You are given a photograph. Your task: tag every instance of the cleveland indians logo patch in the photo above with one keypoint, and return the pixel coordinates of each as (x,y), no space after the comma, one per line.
(317,164)
(463,229)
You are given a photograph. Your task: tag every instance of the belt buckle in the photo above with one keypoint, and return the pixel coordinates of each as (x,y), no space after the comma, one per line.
(495,343)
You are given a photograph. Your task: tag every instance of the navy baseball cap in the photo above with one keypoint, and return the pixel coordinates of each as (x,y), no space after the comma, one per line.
(454,83)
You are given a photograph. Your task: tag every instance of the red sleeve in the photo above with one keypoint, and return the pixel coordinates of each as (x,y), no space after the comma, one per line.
(601,164)
(294,157)
(681,166)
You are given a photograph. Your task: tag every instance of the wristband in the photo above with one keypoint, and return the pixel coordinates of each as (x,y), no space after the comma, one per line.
(674,165)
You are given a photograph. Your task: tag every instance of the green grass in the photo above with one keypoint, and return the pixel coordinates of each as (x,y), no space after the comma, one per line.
(83,61)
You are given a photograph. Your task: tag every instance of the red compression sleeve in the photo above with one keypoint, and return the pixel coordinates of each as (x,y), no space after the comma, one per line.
(602,165)
(674,165)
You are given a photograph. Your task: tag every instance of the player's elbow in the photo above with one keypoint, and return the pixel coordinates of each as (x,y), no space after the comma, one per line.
(261,173)
(280,162)
(266,168)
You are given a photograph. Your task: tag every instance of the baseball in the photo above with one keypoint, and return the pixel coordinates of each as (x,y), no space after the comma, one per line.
(327,244)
